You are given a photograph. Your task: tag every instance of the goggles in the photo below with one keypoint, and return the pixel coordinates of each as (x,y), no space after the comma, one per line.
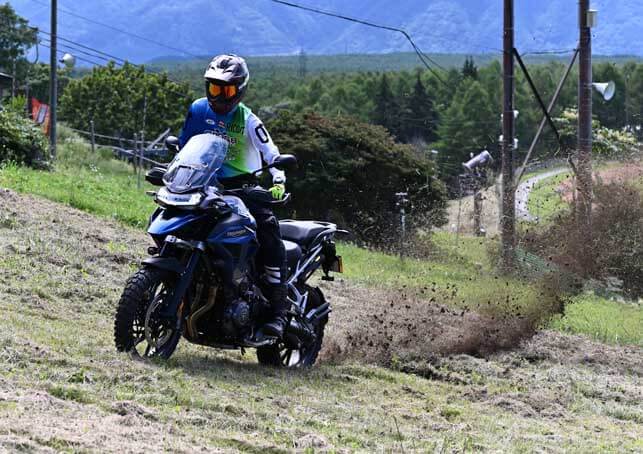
(227,91)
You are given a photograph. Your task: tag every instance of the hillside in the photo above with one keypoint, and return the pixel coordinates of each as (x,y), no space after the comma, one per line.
(64,388)
(261,27)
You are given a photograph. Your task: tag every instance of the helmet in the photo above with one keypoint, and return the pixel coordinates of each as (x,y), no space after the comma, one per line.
(226,80)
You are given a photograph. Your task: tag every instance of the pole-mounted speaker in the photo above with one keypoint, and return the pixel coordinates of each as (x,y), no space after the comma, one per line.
(606,89)
(477,161)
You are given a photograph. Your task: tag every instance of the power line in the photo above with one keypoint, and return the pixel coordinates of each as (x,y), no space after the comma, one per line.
(143,38)
(422,56)
(75,43)
(178,93)
(73,50)
(60,51)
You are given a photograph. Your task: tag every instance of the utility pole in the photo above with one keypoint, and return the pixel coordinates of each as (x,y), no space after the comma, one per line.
(508,216)
(53,78)
(584,154)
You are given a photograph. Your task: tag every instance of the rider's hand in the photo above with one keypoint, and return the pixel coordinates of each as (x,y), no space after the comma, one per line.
(278,191)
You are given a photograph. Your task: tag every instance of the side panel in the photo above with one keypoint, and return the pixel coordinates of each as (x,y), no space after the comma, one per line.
(162,225)
(234,240)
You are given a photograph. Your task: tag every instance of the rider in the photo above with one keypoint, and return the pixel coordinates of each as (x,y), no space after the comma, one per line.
(222,113)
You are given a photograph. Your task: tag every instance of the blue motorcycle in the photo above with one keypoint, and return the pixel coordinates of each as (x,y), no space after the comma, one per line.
(203,281)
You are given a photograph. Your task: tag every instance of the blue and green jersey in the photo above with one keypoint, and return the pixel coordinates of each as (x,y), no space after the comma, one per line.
(250,143)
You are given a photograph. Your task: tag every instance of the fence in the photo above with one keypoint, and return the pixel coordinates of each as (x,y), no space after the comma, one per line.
(139,153)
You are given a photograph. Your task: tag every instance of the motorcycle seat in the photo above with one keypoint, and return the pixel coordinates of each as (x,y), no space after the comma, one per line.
(303,233)
(293,253)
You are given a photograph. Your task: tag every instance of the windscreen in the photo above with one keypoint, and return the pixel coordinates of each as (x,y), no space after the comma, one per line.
(195,165)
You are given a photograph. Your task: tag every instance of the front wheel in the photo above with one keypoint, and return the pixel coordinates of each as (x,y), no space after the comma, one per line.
(281,355)
(139,328)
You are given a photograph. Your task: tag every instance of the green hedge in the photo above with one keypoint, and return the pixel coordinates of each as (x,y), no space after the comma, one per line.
(21,140)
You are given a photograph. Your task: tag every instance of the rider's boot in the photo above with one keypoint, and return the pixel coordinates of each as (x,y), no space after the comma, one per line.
(279,304)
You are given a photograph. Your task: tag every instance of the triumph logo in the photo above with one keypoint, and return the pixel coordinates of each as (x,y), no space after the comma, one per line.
(235,233)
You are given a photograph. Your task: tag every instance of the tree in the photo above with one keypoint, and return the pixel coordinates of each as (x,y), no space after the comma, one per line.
(610,113)
(419,117)
(348,172)
(387,108)
(468,126)
(469,69)
(124,101)
(16,38)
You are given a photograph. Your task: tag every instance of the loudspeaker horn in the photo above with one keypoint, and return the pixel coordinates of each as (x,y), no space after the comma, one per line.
(606,89)
(479,160)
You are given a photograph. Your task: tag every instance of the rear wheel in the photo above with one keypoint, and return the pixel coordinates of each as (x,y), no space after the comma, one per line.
(138,326)
(281,355)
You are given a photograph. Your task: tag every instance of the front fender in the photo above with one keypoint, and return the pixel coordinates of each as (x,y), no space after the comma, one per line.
(170,264)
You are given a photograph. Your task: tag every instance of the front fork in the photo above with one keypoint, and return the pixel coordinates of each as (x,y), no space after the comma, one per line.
(185,277)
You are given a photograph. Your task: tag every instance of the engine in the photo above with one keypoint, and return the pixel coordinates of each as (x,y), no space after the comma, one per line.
(236,318)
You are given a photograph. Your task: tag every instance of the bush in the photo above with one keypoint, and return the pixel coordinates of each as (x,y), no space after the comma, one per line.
(21,140)
(616,247)
(349,172)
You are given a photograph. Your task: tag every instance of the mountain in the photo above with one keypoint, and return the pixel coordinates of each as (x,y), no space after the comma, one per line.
(263,27)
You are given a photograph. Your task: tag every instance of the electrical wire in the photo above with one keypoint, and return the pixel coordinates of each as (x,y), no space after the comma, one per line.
(421,55)
(73,50)
(62,52)
(125,32)
(75,43)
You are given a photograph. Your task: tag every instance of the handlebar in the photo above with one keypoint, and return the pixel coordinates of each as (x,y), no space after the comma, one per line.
(259,194)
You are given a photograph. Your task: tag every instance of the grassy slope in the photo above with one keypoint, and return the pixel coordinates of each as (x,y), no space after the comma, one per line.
(462,273)
(544,201)
(608,321)
(63,386)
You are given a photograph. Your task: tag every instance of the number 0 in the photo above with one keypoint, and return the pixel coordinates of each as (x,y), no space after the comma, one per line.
(262,134)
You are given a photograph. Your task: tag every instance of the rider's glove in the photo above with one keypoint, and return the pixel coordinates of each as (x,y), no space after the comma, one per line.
(278,191)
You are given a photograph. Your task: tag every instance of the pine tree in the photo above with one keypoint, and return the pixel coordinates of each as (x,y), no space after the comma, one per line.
(419,119)
(387,108)
(469,69)
(467,126)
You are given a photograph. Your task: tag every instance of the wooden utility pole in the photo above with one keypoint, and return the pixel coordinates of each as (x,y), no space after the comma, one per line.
(508,216)
(53,78)
(584,155)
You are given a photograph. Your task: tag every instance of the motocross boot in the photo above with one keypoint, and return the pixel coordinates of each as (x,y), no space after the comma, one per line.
(279,304)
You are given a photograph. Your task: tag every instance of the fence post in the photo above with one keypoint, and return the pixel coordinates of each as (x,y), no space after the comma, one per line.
(91,124)
(140,162)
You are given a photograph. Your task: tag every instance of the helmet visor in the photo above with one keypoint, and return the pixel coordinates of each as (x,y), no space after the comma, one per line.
(227,91)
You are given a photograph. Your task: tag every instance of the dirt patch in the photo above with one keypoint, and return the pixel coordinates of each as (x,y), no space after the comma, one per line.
(621,174)
(378,326)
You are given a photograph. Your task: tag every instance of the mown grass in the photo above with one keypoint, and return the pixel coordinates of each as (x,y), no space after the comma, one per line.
(608,321)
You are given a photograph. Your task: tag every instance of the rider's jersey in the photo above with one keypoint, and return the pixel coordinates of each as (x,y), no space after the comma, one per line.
(248,138)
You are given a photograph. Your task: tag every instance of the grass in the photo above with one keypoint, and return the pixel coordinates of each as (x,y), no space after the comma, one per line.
(608,321)
(96,184)
(544,200)
(461,275)
(66,388)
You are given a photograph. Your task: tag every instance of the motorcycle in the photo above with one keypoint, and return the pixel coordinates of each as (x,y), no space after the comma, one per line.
(203,280)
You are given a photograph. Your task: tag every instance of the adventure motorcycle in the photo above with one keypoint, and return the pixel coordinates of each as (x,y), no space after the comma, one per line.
(203,280)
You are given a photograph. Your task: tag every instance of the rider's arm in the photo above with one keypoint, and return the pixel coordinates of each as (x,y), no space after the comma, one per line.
(189,126)
(262,141)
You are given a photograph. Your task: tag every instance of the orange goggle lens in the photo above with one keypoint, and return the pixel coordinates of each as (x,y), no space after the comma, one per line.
(228,91)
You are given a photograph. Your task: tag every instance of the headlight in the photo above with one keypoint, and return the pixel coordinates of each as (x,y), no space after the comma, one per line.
(186,200)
